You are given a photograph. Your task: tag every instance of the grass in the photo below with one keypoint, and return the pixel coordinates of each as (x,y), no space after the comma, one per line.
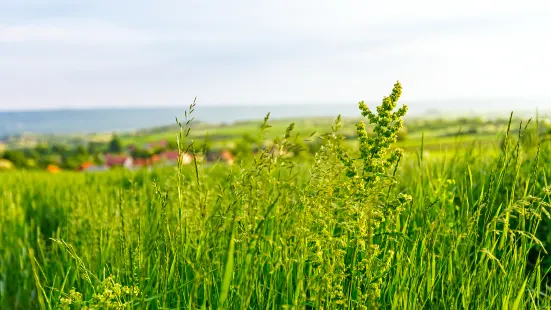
(465,229)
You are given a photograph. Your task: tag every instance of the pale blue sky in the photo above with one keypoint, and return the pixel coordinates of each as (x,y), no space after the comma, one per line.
(74,54)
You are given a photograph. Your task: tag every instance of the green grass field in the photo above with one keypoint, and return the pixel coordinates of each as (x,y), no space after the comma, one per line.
(455,227)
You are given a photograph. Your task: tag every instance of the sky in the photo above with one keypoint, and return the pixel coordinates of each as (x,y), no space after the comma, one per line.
(100,53)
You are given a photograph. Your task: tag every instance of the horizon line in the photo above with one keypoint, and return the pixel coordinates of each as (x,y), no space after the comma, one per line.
(265,104)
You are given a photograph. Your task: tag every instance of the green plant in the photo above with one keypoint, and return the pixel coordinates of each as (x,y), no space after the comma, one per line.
(357,225)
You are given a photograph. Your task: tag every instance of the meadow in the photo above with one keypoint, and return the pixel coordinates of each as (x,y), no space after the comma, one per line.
(360,225)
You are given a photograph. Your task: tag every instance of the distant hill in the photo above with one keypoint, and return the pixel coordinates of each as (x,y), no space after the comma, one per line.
(128,119)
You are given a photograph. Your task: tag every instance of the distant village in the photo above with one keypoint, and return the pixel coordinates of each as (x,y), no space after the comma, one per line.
(164,158)
(153,154)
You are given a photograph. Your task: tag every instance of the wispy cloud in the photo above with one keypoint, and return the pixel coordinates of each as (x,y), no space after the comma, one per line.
(126,53)
(81,32)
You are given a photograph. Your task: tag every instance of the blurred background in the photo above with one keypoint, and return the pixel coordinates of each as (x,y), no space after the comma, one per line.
(81,75)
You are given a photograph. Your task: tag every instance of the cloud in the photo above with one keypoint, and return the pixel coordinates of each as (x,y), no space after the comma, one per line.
(74,33)
(99,53)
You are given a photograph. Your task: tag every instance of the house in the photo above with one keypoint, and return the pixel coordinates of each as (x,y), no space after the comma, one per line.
(141,163)
(197,157)
(223,155)
(171,157)
(186,159)
(91,167)
(212,155)
(155,159)
(227,157)
(95,168)
(53,169)
(85,165)
(118,161)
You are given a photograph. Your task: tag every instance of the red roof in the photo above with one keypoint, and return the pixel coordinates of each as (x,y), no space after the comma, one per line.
(146,161)
(170,155)
(85,165)
(115,160)
(141,162)
(53,169)
(226,155)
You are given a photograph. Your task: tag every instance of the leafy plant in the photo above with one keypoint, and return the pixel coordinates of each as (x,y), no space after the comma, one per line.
(349,227)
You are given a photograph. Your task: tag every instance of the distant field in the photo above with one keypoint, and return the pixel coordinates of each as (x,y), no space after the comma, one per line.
(435,138)
(438,133)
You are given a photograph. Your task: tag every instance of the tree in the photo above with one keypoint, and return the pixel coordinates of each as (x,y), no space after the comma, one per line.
(81,151)
(18,158)
(50,159)
(60,149)
(42,149)
(95,147)
(141,153)
(32,154)
(115,145)
(72,163)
